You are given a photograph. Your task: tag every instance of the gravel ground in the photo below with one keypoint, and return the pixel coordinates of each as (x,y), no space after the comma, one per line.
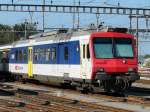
(85,98)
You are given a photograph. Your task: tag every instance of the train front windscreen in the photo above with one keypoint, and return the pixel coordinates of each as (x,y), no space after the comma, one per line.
(113,48)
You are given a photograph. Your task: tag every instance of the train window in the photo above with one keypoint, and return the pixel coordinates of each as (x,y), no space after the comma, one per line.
(103,48)
(84,51)
(25,55)
(12,56)
(38,55)
(53,54)
(47,54)
(16,55)
(20,55)
(123,48)
(35,54)
(41,54)
(31,53)
(88,51)
(66,53)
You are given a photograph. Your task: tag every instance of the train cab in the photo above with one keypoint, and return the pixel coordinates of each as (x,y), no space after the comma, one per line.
(114,59)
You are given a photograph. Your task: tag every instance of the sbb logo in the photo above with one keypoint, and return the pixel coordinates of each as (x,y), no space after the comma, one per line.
(18,68)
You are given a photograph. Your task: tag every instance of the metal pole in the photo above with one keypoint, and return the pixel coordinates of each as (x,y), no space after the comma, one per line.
(97,18)
(78,26)
(147,24)
(74,14)
(130,24)
(137,36)
(25,31)
(43,14)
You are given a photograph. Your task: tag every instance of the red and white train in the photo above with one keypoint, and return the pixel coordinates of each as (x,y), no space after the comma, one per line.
(85,59)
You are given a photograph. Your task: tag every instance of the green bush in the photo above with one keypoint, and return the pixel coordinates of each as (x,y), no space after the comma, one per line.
(147,64)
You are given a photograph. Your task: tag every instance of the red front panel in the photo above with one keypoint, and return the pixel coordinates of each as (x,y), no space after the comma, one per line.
(113,65)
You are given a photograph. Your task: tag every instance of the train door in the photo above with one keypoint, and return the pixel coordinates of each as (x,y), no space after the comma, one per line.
(5,61)
(30,62)
(85,61)
(63,54)
(64,60)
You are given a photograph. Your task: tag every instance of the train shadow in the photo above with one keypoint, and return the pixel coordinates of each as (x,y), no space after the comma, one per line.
(6,90)
(6,93)
(137,91)
(122,94)
(134,91)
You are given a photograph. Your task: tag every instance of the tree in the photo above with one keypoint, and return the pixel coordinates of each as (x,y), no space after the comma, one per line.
(9,34)
(147,56)
(4,36)
(29,27)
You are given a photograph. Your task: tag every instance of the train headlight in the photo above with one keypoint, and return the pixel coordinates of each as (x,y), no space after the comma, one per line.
(100,69)
(131,70)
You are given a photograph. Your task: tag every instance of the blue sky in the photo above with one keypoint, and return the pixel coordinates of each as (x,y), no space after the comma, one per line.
(60,19)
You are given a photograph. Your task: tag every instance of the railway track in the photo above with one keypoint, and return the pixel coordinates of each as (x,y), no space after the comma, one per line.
(35,101)
(32,101)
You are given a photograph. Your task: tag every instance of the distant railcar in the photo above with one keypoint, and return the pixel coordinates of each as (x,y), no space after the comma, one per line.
(4,61)
(84,59)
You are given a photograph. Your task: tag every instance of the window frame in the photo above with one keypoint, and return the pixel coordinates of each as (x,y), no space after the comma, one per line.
(66,53)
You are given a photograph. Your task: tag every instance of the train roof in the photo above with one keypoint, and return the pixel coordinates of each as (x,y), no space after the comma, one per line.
(52,37)
(61,35)
(5,47)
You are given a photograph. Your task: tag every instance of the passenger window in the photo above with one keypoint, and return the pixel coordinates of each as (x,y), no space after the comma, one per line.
(88,51)
(35,55)
(47,54)
(20,55)
(25,55)
(66,53)
(12,56)
(83,51)
(16,55)
(28,54)
(31,53)
(43,54)
(38,54)
(53,54)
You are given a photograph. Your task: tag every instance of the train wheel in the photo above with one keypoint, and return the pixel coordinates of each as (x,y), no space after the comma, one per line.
(107,86)
(24,81)
(122,85)
(83,88)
